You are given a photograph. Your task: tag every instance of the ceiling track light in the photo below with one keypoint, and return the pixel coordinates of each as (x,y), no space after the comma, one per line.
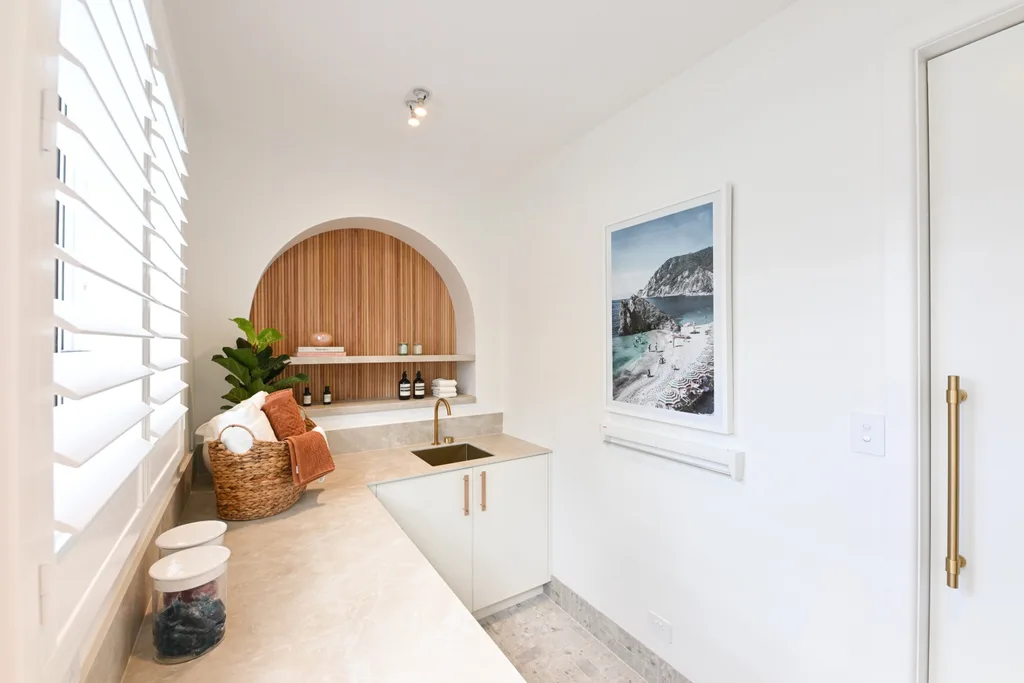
(417,107)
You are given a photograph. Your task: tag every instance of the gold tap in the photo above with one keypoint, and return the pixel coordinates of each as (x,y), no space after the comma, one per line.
(437,405)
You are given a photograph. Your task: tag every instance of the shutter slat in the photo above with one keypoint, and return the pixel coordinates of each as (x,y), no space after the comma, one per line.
(137,132)
(167,363)
(161,96)
(73,128)
(148,112)
(173,181)
(166,334)
(169,307)
(68,318)
(166,417)
(67,257)
(176,161)
(171,236)
(142,21)
(80,374)
(69,196)
(167,392)
(170,279)
(132,37)
(82,429)
(173,210)
(79,493)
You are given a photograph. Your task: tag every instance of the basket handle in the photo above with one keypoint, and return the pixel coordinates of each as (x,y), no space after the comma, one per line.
(239,426)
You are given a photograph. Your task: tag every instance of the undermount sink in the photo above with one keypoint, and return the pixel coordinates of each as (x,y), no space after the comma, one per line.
(446,455)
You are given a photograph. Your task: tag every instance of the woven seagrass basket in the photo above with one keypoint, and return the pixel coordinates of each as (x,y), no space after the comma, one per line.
(255,484)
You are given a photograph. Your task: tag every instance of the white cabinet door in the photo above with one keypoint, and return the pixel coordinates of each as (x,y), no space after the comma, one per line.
(510,529)
(436,513)
(976,143)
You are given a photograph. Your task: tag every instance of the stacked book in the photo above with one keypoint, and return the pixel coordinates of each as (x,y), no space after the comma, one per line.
(320,352)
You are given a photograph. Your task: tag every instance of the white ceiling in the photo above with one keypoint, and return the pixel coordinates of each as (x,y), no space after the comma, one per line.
(512,81)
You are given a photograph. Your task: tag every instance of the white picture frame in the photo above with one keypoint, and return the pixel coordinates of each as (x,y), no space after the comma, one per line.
(634,397)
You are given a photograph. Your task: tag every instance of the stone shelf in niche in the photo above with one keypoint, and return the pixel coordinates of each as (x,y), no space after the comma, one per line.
(379,405)
(345,360)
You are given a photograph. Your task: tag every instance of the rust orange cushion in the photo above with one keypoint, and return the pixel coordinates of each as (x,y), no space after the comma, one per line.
(284,415)
(278,395)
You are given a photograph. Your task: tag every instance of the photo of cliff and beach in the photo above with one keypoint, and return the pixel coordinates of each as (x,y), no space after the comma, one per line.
(661,284)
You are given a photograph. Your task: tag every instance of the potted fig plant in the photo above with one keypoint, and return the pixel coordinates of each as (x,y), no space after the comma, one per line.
(253,366)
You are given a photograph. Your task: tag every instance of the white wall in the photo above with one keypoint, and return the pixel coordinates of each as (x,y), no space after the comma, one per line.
(257,193)
(27,35)
(806,571)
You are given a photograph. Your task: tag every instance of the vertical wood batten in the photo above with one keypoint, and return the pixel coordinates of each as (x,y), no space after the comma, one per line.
(368,289)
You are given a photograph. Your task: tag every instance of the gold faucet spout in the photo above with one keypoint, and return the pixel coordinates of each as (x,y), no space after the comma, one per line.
(437,405)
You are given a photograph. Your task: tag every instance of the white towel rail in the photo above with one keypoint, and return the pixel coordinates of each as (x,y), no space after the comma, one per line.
(724,461)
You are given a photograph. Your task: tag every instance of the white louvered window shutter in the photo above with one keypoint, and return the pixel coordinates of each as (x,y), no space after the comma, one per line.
(120,276)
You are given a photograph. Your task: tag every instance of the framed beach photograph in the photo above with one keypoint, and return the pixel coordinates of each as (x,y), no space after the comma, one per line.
(667,283)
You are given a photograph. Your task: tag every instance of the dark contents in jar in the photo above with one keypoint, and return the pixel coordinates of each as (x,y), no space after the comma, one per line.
(188,629)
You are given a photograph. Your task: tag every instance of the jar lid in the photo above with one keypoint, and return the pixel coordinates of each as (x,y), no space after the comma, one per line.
(189,568)
(191,535)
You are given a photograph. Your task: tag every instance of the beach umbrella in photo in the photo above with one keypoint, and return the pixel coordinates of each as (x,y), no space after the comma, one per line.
(669,397)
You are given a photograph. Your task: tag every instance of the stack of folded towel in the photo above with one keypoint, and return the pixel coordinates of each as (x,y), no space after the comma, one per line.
(444,388)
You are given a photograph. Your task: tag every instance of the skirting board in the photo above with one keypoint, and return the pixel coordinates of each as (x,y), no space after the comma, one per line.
(722,461)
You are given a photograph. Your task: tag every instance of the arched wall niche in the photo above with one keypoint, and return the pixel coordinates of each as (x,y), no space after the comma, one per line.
(371,283)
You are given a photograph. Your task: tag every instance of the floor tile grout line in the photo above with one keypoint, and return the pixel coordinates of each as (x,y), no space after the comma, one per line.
(594,638)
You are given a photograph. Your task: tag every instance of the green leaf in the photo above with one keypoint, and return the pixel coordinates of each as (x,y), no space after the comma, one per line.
(267,337)
(285,383)
(236,395)
(252,364)
(244,356)
(247,329)
(233,366)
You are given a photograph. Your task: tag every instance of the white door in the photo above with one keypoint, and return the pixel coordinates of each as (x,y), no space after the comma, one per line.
(435,512)
(510,529)
(976,153)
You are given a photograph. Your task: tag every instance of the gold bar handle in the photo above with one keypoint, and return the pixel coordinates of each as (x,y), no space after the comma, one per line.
(465,495)
(483,491)
(954,560)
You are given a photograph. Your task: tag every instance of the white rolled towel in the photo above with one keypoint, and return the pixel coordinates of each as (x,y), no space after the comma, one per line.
(444,383)
(237,440)
(446,394)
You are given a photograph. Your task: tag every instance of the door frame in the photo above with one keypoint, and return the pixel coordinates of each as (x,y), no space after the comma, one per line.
(922,55)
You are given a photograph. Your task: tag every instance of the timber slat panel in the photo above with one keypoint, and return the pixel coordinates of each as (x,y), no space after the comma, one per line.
(370,290)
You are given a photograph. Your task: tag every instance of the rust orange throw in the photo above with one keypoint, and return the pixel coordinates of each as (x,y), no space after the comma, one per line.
(284,415)
(311,457)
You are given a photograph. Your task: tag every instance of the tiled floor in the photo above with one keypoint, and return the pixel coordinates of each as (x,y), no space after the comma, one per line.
(547,646)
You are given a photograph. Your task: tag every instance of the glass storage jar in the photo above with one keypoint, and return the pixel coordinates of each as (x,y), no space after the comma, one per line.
(190,591)
(194,535)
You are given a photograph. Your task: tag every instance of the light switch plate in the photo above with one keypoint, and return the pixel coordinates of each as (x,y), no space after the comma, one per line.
(867,434)
(661,627)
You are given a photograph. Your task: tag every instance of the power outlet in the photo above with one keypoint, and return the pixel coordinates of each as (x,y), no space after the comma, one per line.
(661,626)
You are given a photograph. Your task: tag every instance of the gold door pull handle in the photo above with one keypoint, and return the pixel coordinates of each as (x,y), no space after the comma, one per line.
(465,495)
(954,560)
(483,491)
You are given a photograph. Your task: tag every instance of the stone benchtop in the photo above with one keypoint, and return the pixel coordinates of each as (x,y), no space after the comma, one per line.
(333,590)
